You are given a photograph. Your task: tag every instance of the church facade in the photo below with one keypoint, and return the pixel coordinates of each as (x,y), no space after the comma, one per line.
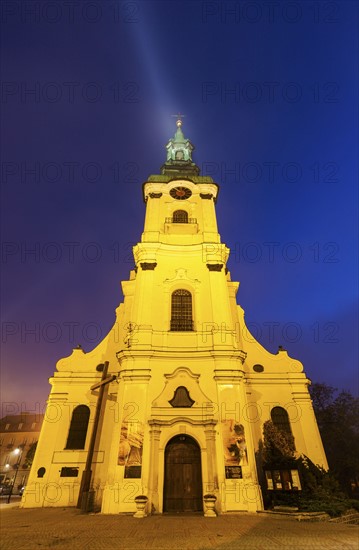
(188,388)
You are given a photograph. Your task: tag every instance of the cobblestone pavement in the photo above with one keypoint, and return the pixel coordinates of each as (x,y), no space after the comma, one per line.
(68,529)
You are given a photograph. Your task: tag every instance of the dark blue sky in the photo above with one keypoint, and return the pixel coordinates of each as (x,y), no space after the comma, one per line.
(270,97)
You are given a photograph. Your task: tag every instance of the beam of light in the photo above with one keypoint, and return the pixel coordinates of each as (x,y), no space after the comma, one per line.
(143,41)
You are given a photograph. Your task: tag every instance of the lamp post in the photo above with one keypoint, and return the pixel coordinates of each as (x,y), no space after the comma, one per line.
(17,451)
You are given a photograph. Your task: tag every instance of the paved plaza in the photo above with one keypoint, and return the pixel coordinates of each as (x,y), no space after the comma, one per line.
(68,529)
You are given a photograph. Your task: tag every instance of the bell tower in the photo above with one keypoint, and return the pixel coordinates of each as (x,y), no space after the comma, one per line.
(180,241)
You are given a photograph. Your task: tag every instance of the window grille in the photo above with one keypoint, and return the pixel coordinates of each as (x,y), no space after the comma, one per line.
(181,311)
(180,216)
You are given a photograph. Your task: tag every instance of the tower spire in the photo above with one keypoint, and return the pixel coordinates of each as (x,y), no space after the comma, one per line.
(179,154)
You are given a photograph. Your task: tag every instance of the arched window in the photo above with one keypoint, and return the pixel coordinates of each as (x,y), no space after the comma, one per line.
(181,311)
(180,216)
(280,419)
(78,428)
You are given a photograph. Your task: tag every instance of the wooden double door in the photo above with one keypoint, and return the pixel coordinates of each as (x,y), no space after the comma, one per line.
(183,476)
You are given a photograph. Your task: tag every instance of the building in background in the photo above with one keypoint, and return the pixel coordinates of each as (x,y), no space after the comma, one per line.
(18,435)
(188,390)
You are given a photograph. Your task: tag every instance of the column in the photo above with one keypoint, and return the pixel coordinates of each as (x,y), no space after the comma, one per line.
(212,482)
(155,433)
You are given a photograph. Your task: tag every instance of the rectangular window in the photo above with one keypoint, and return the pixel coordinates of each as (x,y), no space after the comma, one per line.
(67,471)
(7,426)
(20,426)
(33,425)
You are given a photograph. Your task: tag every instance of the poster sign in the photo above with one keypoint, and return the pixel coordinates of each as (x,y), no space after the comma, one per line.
(133,472)
(295,480)
(277,479)
(233,472)
(269,480)
(283,480)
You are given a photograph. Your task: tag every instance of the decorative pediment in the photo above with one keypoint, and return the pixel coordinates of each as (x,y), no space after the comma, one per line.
(182,390)
(180,371)
(181,275)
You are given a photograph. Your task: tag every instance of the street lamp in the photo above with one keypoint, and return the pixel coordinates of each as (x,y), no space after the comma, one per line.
(18,452)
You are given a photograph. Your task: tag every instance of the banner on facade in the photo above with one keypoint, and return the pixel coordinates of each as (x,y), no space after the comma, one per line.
(131,444)
(235,448)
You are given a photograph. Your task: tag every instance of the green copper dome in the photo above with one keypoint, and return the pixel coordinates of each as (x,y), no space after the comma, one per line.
(179,155)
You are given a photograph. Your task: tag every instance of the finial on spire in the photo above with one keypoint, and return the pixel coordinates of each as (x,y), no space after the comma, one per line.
(179,117)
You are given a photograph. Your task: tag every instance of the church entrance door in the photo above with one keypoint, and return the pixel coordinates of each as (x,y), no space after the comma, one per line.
(183,476)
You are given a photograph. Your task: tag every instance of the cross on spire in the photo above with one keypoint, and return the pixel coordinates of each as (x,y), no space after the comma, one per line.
(179,117)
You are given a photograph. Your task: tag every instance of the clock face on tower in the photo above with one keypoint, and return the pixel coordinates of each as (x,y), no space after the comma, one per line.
(180,193)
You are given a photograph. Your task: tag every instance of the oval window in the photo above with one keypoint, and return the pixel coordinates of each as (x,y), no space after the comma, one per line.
(258,368)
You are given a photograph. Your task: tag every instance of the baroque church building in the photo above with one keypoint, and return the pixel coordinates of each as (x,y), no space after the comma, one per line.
(171,404)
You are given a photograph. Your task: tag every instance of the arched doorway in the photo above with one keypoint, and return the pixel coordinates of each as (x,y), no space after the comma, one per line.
(183,475)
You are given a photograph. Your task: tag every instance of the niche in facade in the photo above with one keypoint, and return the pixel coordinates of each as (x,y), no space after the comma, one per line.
(181,398)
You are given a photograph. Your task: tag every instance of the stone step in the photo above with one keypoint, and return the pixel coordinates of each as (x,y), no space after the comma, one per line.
(352,518)
(298,516)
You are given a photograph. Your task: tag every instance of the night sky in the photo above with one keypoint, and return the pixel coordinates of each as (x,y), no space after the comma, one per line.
(269,91)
